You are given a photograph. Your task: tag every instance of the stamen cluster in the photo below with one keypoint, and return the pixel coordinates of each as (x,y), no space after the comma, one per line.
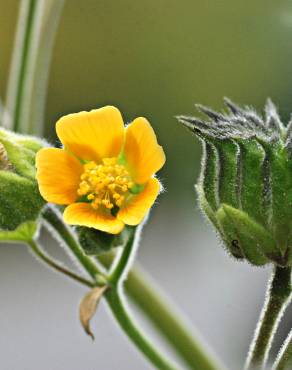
(105,184)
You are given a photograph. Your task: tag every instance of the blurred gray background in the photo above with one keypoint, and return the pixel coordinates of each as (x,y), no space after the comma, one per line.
(154,58)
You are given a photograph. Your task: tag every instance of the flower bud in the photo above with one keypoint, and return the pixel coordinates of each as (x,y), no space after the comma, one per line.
(245,186)
(20,201)
(96,242)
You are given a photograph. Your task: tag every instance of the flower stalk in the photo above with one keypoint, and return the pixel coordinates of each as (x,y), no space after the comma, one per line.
(149,299)
(39,253)
(113,295)
(277,298)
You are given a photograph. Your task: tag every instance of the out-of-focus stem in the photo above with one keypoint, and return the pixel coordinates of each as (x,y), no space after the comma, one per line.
(126,322)
(27,84)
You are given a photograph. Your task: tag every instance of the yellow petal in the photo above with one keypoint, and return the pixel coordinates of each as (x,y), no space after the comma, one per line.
(92,135)
(143,154)
(83,214)
(135,210)
(58,175)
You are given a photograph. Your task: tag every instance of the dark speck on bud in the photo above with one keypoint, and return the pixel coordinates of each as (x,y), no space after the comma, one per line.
(245,186)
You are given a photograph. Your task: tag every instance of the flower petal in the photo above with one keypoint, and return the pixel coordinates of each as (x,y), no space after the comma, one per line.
(92,135)
(135,210)
(143,154)
(83,214)
(58,175)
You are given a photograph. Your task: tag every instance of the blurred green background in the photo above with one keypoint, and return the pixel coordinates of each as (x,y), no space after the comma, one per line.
(158,58)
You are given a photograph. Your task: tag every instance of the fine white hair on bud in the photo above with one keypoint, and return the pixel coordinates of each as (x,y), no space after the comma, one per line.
(245,186)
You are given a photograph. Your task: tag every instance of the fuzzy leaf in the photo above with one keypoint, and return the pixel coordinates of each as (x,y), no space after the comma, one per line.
(23,233)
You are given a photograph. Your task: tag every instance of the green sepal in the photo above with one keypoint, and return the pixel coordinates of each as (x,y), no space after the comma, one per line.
(280,168)
(233,248)
(209,175)
(256,243)
(252,177)
(95,242)
(228,171)
(23,233)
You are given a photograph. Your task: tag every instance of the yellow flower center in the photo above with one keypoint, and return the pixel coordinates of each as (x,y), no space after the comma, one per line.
(105,184)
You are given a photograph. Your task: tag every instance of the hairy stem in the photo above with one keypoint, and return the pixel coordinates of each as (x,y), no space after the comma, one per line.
(160,311)
(277,298)
(284,358)
(36,249)
(54,221)
(164,316)
(125,259)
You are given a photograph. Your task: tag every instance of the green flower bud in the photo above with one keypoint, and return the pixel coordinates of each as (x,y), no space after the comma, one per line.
(20,200)
(96,242)
(245,186)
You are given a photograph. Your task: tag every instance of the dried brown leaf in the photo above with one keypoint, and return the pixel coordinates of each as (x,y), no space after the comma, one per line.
(88,305)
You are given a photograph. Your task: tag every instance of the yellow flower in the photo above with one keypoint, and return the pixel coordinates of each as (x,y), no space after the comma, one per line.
(105,171)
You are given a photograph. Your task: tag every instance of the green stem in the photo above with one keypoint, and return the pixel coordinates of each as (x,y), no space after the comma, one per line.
(113,297)
(53,264)
(159,310)
(277,298)
(284,358)
(124,262)
(126,322)
(53,218)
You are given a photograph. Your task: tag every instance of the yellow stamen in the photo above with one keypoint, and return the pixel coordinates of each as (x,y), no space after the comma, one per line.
(105,184)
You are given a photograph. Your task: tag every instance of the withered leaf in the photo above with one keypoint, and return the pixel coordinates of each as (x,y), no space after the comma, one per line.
(88,305)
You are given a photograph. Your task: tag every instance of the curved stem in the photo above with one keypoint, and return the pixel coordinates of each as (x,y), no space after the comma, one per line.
(156,308)
(52,217)
(277,298)
(48,261)
(284,358)
(126,322)
(161,311)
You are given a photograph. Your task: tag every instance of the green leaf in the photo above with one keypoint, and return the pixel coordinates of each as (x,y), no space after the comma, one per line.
(23,233)
(20,200)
